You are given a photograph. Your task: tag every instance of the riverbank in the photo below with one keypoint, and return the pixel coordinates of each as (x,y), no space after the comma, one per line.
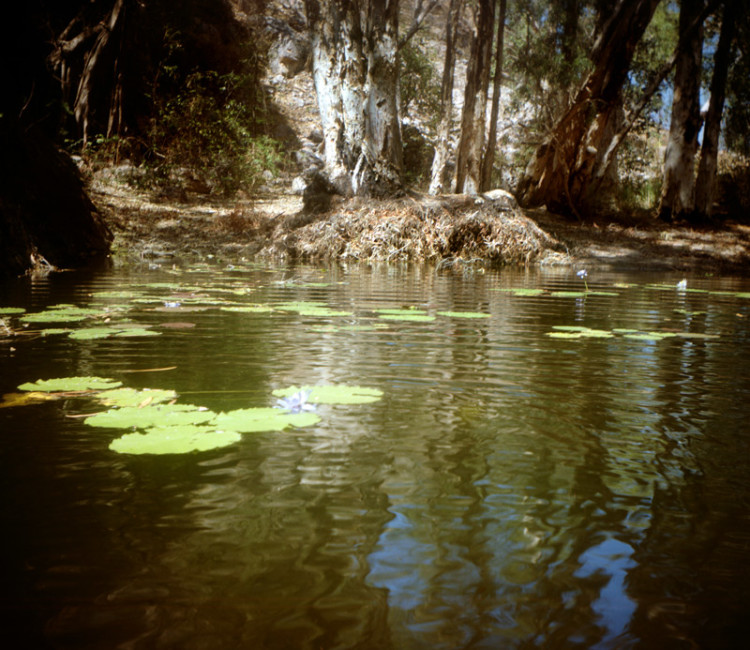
(447,231)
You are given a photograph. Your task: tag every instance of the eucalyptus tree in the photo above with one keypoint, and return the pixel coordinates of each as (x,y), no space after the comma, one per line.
(705,187)
(678,187)
(355,70)
(467,177)
(561,171)
(440,158)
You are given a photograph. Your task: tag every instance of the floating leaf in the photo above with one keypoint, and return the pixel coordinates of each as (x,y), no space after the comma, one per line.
(569,294)
(522,292)
(578,331)
(137,331)
(249,309)
(61,314)
(151,416)
(70,384)
(23,399)
(334,394)
(463,314)
(180,439)
(254,420)
(92,333)
(132,397)
(10,311)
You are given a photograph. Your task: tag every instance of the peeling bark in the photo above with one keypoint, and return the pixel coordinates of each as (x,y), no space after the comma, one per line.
(467,178)
(355,69)
(678,188)
(561,172)
(437,174)
(705,187)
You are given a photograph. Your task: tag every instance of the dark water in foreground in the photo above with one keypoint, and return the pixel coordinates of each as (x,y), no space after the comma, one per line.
(511,489)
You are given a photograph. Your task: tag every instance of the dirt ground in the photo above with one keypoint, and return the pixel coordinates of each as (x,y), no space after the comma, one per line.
(448,231)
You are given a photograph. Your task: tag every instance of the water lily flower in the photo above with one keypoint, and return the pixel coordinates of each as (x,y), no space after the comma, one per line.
(682,284)
(296,403)
(583,274)
(172,304)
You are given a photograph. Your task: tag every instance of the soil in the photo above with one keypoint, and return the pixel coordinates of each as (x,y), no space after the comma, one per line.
(449,231)
(446,231)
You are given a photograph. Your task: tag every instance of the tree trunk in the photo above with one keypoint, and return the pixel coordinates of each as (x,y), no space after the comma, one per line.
(355,72)
(560,173)
(706,183)
(467,177)
(446,99)
(489,153)
(678,188)
(81,105)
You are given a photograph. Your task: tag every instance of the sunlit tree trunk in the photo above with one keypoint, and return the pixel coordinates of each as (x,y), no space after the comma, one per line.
(488,161)
(678,187)
(355,69)
(560,173)
(467,177)
(437,174)
(705,187)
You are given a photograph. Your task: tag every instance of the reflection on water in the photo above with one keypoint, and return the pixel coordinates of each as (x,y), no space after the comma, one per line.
(511,490)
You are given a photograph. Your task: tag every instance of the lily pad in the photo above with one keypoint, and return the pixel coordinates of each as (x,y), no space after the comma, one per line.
(23,399)
(249,309)
(463,314)
(334,394)
(89,333)
(61,314)
(522,291)
(151,416)
(254,420)
(70,384)
(132,397)
(10,311)
(180,439)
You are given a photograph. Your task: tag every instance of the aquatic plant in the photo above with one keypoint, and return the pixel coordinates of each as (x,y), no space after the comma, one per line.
(296,402)
(583,274)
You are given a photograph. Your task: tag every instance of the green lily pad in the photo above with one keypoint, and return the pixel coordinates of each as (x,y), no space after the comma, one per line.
(89,333)
(254,420)
(334,394)
(10,311)
(578,332)
(61,314)
(522,292)
(569,294)
(180,439)
(463,314)
(156,415)
(136,331)
(70,384)
(249,309)
(132,397)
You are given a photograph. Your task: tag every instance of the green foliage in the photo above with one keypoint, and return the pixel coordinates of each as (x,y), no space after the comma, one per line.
(419,83)
(208,131)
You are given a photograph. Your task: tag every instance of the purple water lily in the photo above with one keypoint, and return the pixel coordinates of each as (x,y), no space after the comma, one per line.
(296,403)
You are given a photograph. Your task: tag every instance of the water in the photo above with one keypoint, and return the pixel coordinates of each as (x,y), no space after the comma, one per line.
(511,490)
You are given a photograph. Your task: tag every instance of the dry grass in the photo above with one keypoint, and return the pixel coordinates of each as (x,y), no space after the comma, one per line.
(452,229)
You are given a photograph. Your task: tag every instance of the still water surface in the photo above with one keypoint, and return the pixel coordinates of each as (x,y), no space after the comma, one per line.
(512,489)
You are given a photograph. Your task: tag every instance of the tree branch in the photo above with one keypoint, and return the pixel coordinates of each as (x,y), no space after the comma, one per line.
(420,13)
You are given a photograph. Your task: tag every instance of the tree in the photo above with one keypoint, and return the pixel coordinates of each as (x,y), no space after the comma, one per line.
(560,173)
(678,188)
(446,99)
(355,70)
(489,155)
(705,187)
(467,177)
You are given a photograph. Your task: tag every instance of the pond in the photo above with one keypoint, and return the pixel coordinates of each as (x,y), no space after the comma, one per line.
(540,460)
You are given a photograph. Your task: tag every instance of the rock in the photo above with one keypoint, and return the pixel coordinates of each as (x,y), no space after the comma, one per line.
(289,51)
